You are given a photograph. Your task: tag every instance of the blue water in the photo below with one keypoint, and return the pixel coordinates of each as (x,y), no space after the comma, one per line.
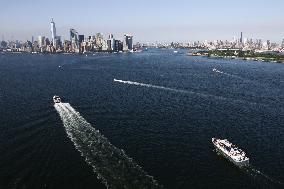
(163,114)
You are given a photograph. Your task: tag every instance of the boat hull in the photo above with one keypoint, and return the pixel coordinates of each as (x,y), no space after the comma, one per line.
(244,163)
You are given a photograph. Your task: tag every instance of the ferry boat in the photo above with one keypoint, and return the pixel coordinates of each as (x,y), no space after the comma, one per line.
(56,99)
(231,152)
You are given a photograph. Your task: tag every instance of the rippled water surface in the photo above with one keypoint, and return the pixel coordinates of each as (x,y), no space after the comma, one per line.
(140,120)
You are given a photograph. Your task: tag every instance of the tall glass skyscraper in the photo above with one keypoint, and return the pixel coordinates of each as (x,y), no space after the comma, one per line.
(74,38)
(53,32)
(128,42)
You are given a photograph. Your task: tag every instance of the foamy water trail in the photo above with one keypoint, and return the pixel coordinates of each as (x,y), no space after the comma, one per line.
(265,180)
(151,86)
(112,166)
(224,73)
(261,178)
(185,91)
(217,71)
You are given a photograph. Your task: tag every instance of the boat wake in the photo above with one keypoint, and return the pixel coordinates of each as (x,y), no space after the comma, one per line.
(151,86)
(224,73)
(112,166)
(262,179)
(228,99)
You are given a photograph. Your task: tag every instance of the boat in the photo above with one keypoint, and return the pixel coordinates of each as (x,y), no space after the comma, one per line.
(175,51)
(231,152)
(56,99)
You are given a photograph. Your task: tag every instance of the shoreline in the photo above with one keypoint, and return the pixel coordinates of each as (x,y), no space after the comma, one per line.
(71,53)
(259,58)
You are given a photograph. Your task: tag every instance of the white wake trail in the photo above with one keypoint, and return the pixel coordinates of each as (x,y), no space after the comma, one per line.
(228,99)
(150,86)
(265,180)
(224,73)
(111,164)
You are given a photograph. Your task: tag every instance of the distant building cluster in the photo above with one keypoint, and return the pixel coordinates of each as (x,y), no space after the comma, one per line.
(236,43)
(79,43)
(76,44)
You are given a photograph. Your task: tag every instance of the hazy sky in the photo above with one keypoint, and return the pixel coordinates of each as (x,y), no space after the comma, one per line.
(147,20)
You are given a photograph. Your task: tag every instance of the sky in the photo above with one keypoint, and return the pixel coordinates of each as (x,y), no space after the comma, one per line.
(146,20)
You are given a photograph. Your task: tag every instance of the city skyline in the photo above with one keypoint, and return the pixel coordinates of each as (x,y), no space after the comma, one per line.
(149,21)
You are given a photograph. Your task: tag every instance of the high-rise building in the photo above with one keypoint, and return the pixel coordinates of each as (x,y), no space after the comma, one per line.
(241,39)
(99,39)
(268,44)
(81,38)
(58,41)
(282,45)
(128,42)
(47,42)
(53,32)
(104,46)
(41,41)
(111,42)
(74,38)
(118,46)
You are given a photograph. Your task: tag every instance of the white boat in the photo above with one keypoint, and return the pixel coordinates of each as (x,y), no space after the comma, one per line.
(175,51)
(231,152)
(56,99)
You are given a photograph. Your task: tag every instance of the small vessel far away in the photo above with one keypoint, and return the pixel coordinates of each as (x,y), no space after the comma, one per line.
(231,152)
(56,99)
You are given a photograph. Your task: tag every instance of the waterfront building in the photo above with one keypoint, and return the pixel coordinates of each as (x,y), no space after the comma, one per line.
(118,46)
(127,42)
(111,42)
(82,44)
(41,41)
(58,41)
(74,38)
(92,39)
(268,44)
(3,44)
(104,46)
(99,40)
(81,38)
(47,42)
(67,47)
(53,32)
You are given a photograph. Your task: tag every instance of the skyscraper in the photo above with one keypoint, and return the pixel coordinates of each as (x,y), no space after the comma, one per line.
(74,38)
(53,32)
(81,38)
(241,39)
(111,42)
(41,41)
(99,39)
(128,42)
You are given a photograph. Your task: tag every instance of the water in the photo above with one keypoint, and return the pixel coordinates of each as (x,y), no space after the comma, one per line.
(160,108)
(112,165)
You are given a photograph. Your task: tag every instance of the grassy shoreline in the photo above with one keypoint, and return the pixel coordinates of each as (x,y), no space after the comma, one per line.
(244,55)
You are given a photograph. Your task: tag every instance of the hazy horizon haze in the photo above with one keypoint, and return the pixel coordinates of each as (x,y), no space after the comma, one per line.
(148,21)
